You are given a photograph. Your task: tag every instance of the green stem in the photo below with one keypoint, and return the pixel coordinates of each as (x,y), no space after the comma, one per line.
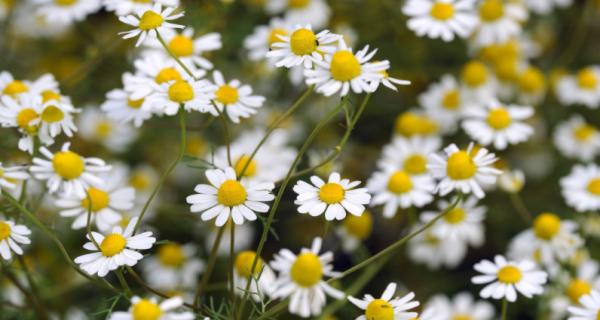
(136,277)
(123,282)
(88,226)
(212,259)
(231,262)
(520,207)
(504,308)
(37,306)
(226,132)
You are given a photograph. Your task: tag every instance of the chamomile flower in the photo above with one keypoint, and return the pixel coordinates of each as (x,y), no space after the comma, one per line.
(589,309)
(435,252)
(573,287)
(125,7)
(234,99)
(263,37)
(68,172)
(173,267)
(511,181)
(463,170)
(409,154)
(57,113)
(387,306)
(461,307)
(118,248)
(154,19)
(478,82)
(189,49)
(532,86)
(343,70)
(334,197)
(226,197)
(96,126)
(354,230)
(546,6)
(11,235)
(576,138)
(499,21)
(121,107)
(313,12)
(66,11)
(441,18)
(261,279)
(582,88)
(152,309)
(191,94)
(464,222)
(10,176)
(302,47)
(24,114)
(13,87)
(416,123)
(581,188)
(444,102)
(498,124)
(301,278)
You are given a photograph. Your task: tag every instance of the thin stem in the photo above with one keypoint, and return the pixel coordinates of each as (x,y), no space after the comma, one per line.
(165,174)
(39,309)
(231,262)
(123,282)
(504,308)
(520,207)
(209,268)
(175,57)
(226,132)
(136,277)
(88,226)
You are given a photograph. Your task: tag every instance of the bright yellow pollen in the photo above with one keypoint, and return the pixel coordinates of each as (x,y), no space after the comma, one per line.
(100,200)
(442,11)
(400,182)
(150,20)
(15,88)
(65,2)
(68,164)
(52,114)
(274,35)
(499,118)
(26,116)
(409,124)
(331,193)
(587,79)
(455,216)
(181,46)
(506,69)
(461,166)
(231,193)
(142,1)
(167,74)
(103,129)
(491,10)
(451,100)
(112,244)
(546,226)
(307,270)
(303,42)
(344,66)
(171,254)
(241,163)
(298,4)
(461,317)
(135,104)
(139,181)
(227,94)
(594,186)
(379,309)
(509,275)
(584,132)
(50,95)
(243,263)
(181,92)
(146,310)
(360,227)
(532,81)
(415,164)
(577,288)
(474,73)
(4,230)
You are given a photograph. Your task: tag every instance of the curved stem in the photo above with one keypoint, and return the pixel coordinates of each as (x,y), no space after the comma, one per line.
(209,268)
(520,207)
(176,58)
(123,282)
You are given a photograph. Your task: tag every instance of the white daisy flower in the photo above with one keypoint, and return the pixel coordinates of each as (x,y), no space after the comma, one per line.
(478,82)
(499,21)
(589,309)
(13,87)
(11,235)
(582,88)
(573,287)
(464,222)
(263,37)
(463,170)
(27,22)
(173,267)
(116,249)
(576,138)
(498,124)
(511,181)
(68,172)
(313,12)
(504,278)
(189,49)
(57,113)
(354,230)
(302,47)
(226,197)
(545,6)
(121,107)
(409,154)
(532,86)
(191,94)
(441,18)
(444,102)
(434,252)
(301,279)
(344,70)
(24,114)
(581,188)
(96,126)
(261,280)
(10,176)
(334,197)
(387,306)
(234,99)
(126,7)
(155,19)
(461,307)
(152,309)
(415,122)
(66,11)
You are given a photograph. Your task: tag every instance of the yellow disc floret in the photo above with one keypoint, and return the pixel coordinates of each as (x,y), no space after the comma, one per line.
(451,100)
(409,124)
(171,254)
(587,79)
(442,11)
(150,20)
(15,87)
(455,216)
(546,225)
(584,132)
(231,193)
(274,35)
(243,263)
(491,10)
(68,164)
(415,164)
(303,42)
(344,66)
(52,114)
(166,75)
(65,2)
(181,92)
(461,166)
(112,244)
(227,94)
(24,118)
(399,182)
(474,74)
(331,193)
(532,81)
(4,230)
(181,46)
(594,186)
(577,288)
(298,4)
(509,275)
(146,310)
(135,104)
(359,226)
(49,95)
(100,199)
(243,162)
(499,118)
(379,309)
(307,270)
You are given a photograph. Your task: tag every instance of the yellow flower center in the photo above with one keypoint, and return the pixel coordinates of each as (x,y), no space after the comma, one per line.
(227,94)
(499,118)
(379,309)
(474,73)
(65,2)
(509,275)
(462,317)
(274,35)
(181,46)
(24,117)
(68,164)
(344,66)
(331,193)
(409,124)
(307,270)
(195,145)
(52,114)
(303,42)
(598,313)
(4,230)
(181,92)
(399,182)
(506,69)
(578,288)
(167,74)
(231,193)
(103,129)
(135,104)
(100,200)
(112,244)
(243,263)
(461,166)
(584,132)
(298,4)
(415,164)
(546,226)
(451,100)
(150,20)
(455,216)
(15,87)
(146,310)
(171,254)
(442,11)
(491,10)
(532,81)
(360,227)
(594,186)
(243,162)
(139,181)
(49,95)
(587,79)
